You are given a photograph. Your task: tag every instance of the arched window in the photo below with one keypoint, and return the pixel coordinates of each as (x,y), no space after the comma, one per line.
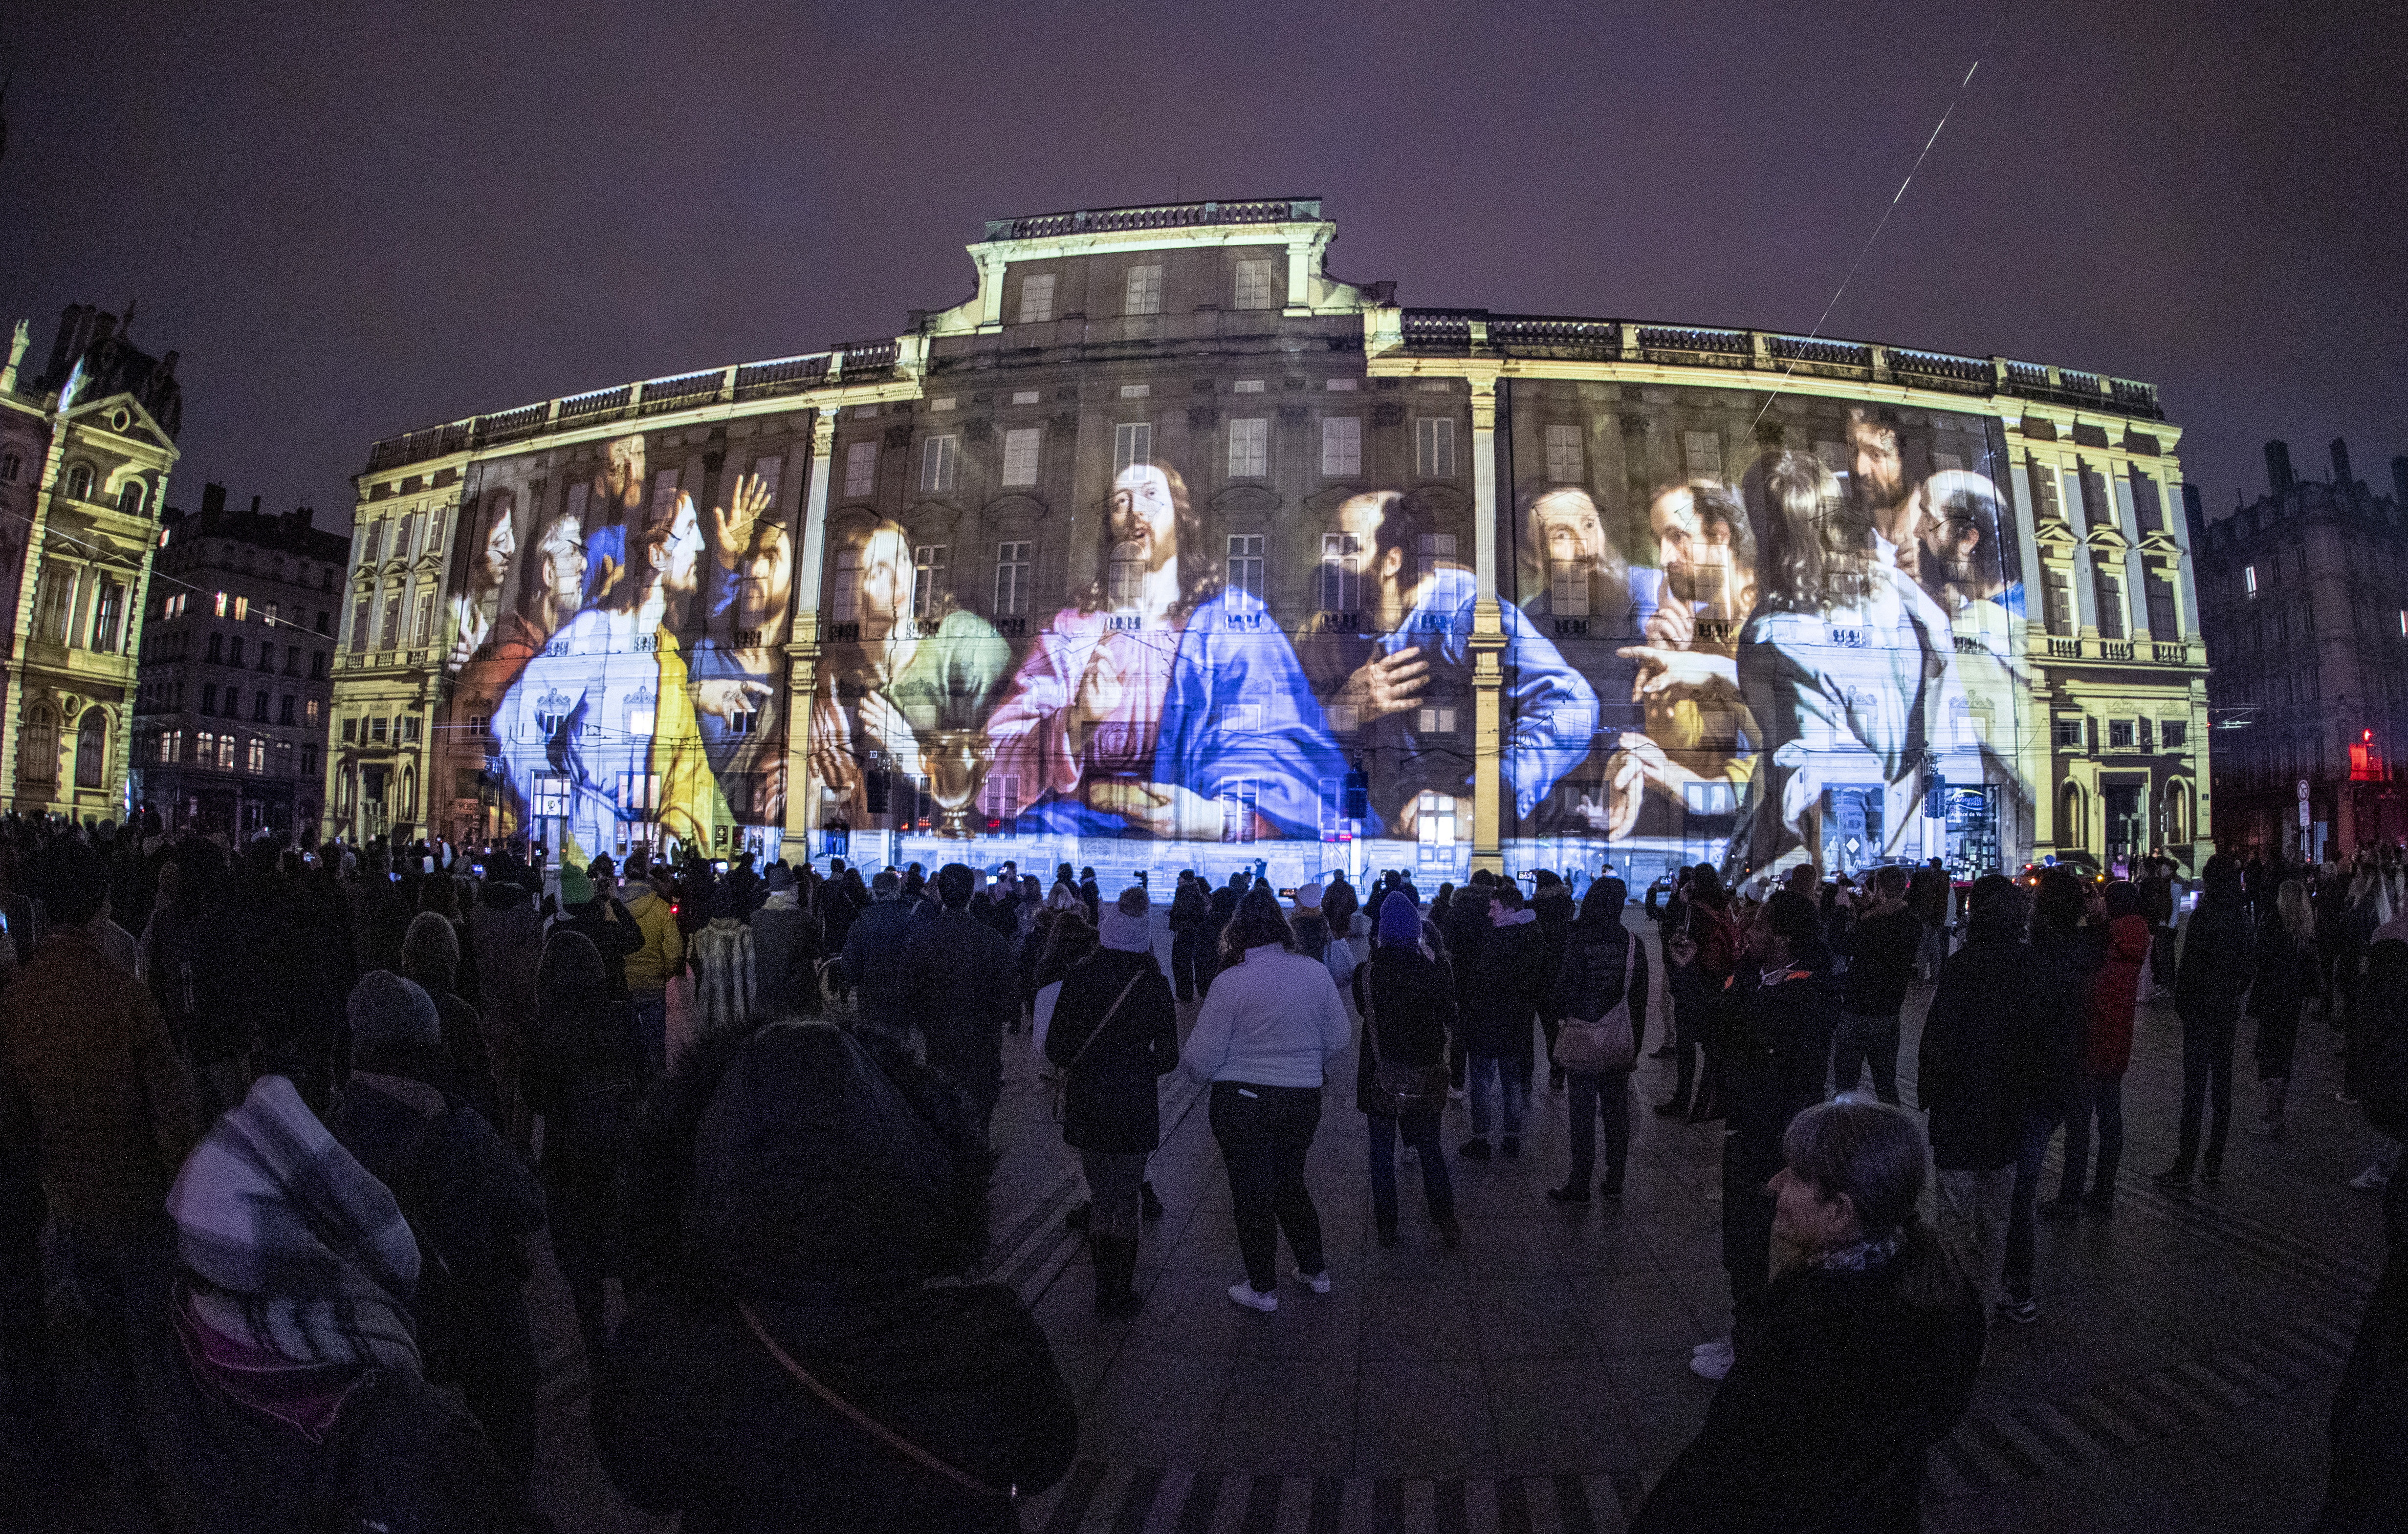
(92,750)
(410,793)
(2177,813)
(79,481)
(2072,825)
(133,497)
(37,752)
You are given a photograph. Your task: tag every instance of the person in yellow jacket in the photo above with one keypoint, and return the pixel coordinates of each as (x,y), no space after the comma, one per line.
(651,967)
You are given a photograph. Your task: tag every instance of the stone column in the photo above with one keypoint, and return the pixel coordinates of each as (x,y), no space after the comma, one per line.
(803,642)
(1487,630)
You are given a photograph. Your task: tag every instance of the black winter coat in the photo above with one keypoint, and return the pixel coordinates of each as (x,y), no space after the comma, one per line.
(1109,1102)
(1971,1067)
(875,965)
(1410,1002)
(1507,977)
(1774,1043)
(962,999)
(1589,985)
(2058,1036)
(2218,941)
(693,1414)
(1842,1381)
(1880,953)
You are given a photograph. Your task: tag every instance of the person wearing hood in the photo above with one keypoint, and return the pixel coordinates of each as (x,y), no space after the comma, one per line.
(808,1357)
(430,960)
(1507,976)
(306,1387)
(584,1065)
(469,1201)
(1190,914)
(959,1000)
(1263,1038)
(2097,1090)
(1114,1030)
(725,977)
(587,906)
(1860,1356)
(1406,1000)
(656,960)
(1772,1036)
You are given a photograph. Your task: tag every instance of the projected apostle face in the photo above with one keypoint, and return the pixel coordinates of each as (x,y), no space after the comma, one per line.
(622,475)
(681,556)
(1700,531)
(501,544)
(1880,471)
(1144,513)
(562,565)
(764,582)
(1570,531)
(1960,548)
(885,594)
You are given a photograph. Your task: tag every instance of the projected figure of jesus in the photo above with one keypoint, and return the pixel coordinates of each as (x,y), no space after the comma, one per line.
(1165,703)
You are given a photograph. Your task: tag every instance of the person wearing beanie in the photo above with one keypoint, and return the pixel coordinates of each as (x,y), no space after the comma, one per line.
(463,1193)
(1406,999)
(582,1077)
(1114,1030)
(957,966)
(1604,971)
(874,959)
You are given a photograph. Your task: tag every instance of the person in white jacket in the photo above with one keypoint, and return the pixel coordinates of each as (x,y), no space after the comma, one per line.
(1268,1026)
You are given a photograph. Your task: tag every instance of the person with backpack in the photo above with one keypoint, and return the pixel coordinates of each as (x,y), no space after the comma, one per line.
(1600,992)
(1114,1030)
(470,1204)
(2097,1089)
(1406,999)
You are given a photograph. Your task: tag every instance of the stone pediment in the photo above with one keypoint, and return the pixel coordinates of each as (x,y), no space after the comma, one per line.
(2109,541)
(1254,501)
(2055,537)
(1013,510)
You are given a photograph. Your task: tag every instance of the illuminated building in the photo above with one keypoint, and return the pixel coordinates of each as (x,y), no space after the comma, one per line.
(236,686)
(2305,598)
(1167,547)
(85,449)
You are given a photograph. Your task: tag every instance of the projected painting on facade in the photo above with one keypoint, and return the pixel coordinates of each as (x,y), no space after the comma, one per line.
(620,618)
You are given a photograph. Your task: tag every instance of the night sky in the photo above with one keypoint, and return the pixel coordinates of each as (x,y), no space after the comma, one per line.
(350,229)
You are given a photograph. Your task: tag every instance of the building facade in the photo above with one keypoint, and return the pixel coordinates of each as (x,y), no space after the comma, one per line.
(235,690)
(2305,598)
(1169,549)
(86,445)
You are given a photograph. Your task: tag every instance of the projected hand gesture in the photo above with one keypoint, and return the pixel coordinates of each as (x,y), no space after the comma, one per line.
(882,725)
(1386,684)
(1158,809)
(732,531)
(832,746)
(726,698)
(473,631)
(1661,671)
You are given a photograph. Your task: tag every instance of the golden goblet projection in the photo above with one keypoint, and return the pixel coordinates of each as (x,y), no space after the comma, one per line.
(956,762)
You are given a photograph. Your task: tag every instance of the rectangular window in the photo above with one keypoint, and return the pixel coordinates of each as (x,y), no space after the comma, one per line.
(241,609)
(268,613)
(1434,720)
(404,534)
(844,602)
(1020,457)
(1567,586)
(284,709)
(1564,466)
(1436,550)
(1342,572)
(1144,294)
(1702,452)
(1253,288)
(2162,623)
(1012,566)
(860,470)
(2110,605)
(1025,396)
(2075,501)
(1338,386)
(999,799)
(1136,392)
(1239,797)
(939,459)
(377,727)
(1132,443)
(371,551)
(1246,564)
(1341,447)
(256,755)
(309,713)
(406,729)
(351,730)
(2061,615)
(1434,448)
(209,697)
(389,633)
(2069,734)
(928,585)
(308,760)
(2175,733)
(205,748)
(2145,725)
(423,632)
(219,609)
(1247,386)
(171,745)
(1036,298)
(665,494)
(2249,580)
(2044,483)
(318,665)
(234,651)
(2119,734)
(1250,449)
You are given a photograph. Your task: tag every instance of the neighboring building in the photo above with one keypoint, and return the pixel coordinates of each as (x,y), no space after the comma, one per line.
(236,690)
(85,449)
(2303,595)
(1119,562)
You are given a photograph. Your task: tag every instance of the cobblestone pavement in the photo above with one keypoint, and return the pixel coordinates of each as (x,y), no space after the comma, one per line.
(1537,1378)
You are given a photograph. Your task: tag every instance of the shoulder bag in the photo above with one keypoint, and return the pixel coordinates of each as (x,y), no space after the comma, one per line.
(1062,1078)
(1398,1089)
(1603,1047)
